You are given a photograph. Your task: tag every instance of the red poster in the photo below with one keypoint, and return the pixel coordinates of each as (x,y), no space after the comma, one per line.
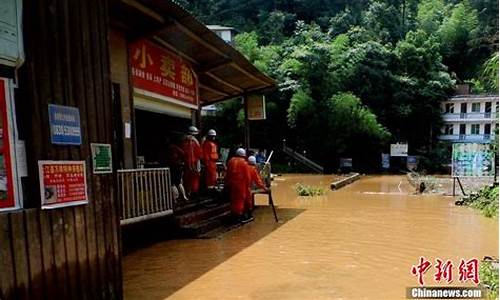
(62,183)
(6,184)
(156,70)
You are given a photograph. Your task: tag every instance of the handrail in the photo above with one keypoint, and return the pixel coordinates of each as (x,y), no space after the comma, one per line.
(302,159)
(144,194)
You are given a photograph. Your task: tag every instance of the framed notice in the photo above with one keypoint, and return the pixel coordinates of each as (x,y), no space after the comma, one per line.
(256,107)
(101,158)
(411,162)
(64,125)
(472,160)
(62,183)
(399,150)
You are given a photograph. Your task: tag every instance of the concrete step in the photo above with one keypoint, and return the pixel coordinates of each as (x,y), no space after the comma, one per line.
(207,225)
(203,212)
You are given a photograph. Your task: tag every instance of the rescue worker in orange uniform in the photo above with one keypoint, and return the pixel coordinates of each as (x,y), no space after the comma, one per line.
(192,156)
(237,182)
(255,180)
(210,157)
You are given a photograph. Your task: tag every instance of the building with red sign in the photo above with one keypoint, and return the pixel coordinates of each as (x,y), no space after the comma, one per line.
(166,65)
(123,74)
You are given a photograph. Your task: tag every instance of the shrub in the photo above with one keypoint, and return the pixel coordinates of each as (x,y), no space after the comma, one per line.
(486,200)
(307,190)
(489,279)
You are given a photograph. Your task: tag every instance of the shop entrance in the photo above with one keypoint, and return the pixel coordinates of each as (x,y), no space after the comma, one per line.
(153,132)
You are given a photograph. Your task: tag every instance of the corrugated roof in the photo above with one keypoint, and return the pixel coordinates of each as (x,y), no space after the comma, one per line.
(224,73)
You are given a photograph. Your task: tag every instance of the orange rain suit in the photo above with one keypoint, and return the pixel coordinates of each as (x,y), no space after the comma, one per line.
(192,156)
(210,157)
(237,183)
(254,176)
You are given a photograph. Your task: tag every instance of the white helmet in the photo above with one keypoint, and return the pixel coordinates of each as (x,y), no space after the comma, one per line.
(193,130)
(252,160)
(211,132)
(241,152)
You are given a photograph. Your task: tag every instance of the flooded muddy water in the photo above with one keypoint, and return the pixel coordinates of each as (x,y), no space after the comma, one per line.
(355,243)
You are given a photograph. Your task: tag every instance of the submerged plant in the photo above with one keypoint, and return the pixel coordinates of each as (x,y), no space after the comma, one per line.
(308,190)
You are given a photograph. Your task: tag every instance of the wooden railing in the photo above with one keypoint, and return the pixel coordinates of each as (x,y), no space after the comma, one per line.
(144,194)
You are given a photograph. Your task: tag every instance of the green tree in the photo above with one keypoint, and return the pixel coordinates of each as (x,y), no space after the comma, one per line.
(456,33)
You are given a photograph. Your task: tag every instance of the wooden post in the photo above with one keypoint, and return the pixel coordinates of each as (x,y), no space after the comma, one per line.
(247,123)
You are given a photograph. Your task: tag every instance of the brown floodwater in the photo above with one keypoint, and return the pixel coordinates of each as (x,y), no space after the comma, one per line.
(359,242)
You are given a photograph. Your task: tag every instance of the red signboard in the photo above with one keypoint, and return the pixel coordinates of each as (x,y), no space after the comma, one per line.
(156,70)
(62,183)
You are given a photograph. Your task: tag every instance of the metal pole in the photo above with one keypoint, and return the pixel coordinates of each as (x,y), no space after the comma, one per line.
(453,186)
(247,123)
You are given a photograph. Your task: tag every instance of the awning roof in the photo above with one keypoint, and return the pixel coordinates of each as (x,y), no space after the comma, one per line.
(223,72)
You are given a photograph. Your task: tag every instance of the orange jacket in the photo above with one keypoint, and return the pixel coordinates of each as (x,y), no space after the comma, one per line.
(210,153)
(254,176)
(237,172)
(192,152)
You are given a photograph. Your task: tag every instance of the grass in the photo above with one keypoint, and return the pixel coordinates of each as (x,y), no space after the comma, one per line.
(486,201)
(309,190)
(489,279)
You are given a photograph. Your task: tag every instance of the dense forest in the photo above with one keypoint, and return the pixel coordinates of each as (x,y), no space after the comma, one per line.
(355,76)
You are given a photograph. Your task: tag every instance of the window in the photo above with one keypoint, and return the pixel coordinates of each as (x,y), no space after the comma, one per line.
(474,129)
(487,107)
(463,108)
(487,128)
(476,107)
(462,128)
(448,129)
(449,108)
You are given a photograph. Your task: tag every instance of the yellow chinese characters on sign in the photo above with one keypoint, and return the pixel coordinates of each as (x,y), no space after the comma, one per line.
(143,57)
(167,67)
(186,76)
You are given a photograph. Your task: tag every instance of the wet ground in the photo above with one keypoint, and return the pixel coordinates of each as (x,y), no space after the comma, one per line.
(355,243)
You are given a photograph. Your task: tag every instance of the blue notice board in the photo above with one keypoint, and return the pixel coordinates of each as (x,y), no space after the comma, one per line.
(64,125)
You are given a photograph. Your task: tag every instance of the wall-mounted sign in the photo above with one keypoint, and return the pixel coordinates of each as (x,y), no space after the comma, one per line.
(399,150)
(386,161)
(472,160)
(64,125)
(166,75)
(101,158)
(11,41)
(256,107)
(346,162)
(62,183)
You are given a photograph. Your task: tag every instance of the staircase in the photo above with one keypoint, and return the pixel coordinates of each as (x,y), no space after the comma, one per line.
(302,159)
(196,219)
